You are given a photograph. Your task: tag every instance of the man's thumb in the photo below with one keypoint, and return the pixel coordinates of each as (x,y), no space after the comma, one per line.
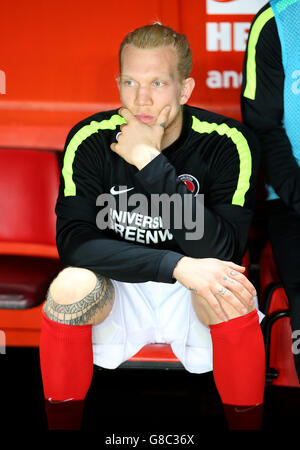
(163,116)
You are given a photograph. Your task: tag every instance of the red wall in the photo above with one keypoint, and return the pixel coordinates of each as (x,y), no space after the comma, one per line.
(59,59)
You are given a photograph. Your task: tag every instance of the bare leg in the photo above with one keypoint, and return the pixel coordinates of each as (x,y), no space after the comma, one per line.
(77,299)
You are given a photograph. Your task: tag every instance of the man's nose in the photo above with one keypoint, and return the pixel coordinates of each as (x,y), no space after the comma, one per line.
(143,96)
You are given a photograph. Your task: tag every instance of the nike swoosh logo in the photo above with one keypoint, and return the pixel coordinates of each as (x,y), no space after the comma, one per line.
(241,410)
(113,190)
(61,401)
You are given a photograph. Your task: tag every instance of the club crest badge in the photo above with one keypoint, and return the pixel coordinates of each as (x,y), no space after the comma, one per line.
(191,183)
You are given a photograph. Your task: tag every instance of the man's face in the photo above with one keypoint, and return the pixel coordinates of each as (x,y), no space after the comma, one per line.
(149,81)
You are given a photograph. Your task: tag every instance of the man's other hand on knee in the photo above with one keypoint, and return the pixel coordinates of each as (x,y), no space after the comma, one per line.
(218,286)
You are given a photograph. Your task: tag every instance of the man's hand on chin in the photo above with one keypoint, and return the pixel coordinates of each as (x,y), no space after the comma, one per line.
(139,143)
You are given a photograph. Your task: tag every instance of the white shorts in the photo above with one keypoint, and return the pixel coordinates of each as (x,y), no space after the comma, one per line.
(146,313)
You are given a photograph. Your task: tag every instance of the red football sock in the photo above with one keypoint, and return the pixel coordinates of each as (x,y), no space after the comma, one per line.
(239,367)
(65,415)
(66,359)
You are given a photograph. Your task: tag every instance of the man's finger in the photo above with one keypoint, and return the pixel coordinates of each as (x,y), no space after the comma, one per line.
(163,116)
(113,147)
(124,112)
(228,297)
(243,280)
(243,293)
(215,305)
(235,266)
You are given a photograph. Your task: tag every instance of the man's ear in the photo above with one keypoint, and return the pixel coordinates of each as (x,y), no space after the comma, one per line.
(186,90)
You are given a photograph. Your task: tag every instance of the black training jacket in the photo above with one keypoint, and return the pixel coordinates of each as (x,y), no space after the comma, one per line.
(214,155)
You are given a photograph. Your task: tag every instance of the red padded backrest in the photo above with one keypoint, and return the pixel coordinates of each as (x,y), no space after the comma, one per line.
(281,356)
(245,263)
(29,181)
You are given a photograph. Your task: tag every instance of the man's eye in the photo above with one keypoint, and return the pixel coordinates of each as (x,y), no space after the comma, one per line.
(158,83)
(129,83)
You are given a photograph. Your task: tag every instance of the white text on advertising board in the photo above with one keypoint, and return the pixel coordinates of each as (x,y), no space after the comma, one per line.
(226,36)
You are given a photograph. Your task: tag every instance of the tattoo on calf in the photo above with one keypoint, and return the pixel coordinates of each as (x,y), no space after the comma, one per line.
(82,311)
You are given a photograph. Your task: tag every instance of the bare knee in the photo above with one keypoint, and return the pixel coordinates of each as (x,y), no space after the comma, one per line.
(72,284)
(206,314)
(78,296)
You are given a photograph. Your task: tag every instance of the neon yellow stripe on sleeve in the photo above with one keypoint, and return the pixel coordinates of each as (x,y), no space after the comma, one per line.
(77,139)
(244,153)
(250,88)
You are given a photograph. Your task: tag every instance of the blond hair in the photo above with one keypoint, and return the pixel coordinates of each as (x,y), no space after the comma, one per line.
(158,35)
